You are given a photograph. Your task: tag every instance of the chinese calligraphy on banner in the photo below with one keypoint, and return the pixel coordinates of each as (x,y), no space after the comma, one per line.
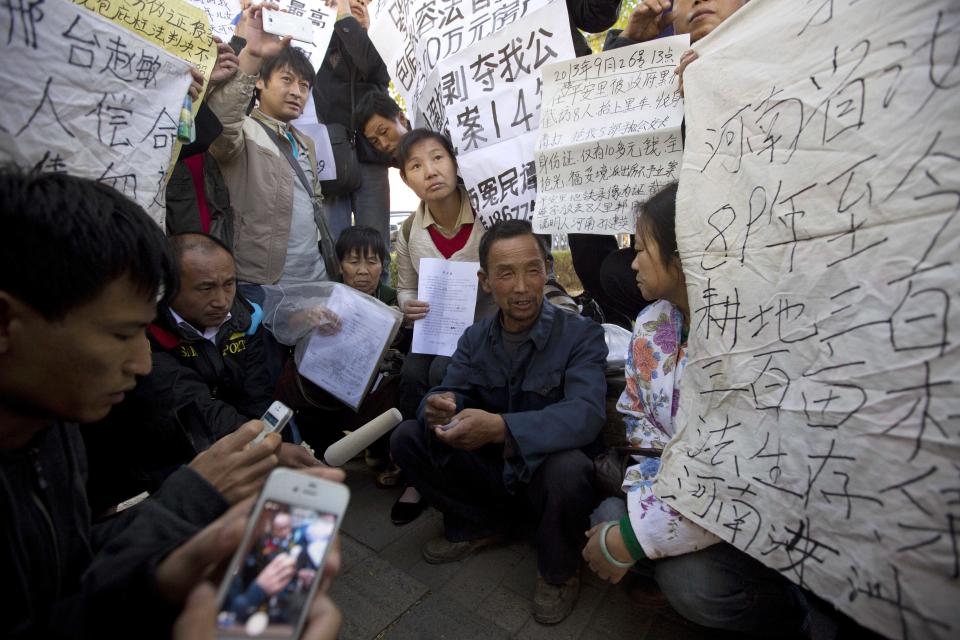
(221,14)
(99,102)
(819,232)
(472,69)
(180,28)
(609,136)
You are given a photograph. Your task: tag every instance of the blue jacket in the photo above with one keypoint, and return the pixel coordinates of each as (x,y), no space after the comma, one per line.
(551,400)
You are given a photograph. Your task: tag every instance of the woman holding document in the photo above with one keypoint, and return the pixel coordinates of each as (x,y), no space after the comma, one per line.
(444,226)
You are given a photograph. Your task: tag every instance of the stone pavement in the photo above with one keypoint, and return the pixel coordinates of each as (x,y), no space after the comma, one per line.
(387,590)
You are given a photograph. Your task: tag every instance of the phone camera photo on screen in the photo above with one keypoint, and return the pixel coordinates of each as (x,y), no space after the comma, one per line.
(272,584)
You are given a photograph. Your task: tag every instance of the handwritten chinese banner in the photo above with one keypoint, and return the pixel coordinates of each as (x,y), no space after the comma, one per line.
(609,136)
(502,180)
(490,91)
(180,28)
(412,36)
(222,14)
(819,232)
(99,101)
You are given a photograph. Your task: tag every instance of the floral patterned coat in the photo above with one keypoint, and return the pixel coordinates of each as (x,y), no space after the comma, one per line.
(648,404)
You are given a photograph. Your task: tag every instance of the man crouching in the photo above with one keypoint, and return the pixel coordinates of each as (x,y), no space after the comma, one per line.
(523,395)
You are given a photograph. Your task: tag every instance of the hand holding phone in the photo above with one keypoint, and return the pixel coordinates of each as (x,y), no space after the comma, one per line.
(280,23)
(275,418)
(288,539)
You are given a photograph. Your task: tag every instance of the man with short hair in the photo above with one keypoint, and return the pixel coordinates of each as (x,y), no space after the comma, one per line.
(521,401)
(382,122)
(270,168)
(81,269)
(209,377)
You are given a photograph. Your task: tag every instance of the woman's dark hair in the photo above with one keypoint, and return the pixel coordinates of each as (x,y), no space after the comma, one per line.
(65,239)
(415,137)
(363,240)
(504,231)
(657,219)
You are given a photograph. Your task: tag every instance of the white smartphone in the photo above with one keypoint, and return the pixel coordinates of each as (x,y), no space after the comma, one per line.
(272,579)
(275,418)
(281,23)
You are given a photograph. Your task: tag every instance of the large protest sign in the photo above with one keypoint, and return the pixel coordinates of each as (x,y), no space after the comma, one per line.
(819,232)
(609,136)
(412,36)
(99,101)
(180,28)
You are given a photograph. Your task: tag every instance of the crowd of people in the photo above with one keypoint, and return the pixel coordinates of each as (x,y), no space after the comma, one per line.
(134,365)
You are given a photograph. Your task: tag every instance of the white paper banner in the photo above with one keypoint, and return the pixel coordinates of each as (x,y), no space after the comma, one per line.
(490,91)
(609,136)
(502,180)
(98,101)
(412,36)
(819,231)
(308,124)
(222,15)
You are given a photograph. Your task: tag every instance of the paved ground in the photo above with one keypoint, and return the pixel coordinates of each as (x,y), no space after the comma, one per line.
(387,590)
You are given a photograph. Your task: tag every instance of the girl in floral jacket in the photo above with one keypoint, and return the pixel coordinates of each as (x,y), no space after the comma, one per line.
(712,584)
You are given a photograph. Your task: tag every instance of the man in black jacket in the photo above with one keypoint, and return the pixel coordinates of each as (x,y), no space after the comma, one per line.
(352,69)
(208,377)
(81,268)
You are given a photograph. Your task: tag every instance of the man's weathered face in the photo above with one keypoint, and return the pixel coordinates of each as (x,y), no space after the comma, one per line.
(384,134)
(208,285)
(700,17)
(515,275)
(76,368)
(284,95)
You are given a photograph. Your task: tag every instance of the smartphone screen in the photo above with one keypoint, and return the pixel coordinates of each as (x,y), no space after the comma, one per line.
(281,563)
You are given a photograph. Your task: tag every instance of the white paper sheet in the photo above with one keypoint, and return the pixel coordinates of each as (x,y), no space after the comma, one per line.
(346,363)
(450,288)
(222,15)
(609,136)
(819,420)
(308,124)
(98,101)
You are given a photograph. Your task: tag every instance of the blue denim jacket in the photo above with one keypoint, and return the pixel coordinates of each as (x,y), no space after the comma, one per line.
(553,396)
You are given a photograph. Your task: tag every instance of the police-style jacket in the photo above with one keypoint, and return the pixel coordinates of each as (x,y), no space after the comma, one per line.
(196,393)
(226,380)
(552,397)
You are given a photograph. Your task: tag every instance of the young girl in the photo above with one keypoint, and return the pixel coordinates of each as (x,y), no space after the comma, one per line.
(712,584)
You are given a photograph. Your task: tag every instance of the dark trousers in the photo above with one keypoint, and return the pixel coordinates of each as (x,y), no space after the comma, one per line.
(468,488)
(420,373)
(604,270)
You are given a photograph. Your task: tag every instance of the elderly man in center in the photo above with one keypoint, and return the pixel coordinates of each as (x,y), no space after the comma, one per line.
(509,429)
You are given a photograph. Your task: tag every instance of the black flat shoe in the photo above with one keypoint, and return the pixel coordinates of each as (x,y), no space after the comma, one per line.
(406,512)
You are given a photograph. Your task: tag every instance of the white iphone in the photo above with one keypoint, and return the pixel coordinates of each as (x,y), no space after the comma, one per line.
(281,23)
(275,418)
(274,575)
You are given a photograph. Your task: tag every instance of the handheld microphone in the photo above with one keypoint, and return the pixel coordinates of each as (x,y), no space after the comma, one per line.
(344,449)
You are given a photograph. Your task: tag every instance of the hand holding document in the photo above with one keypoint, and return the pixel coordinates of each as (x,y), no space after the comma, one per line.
(345,364)
(450,288)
